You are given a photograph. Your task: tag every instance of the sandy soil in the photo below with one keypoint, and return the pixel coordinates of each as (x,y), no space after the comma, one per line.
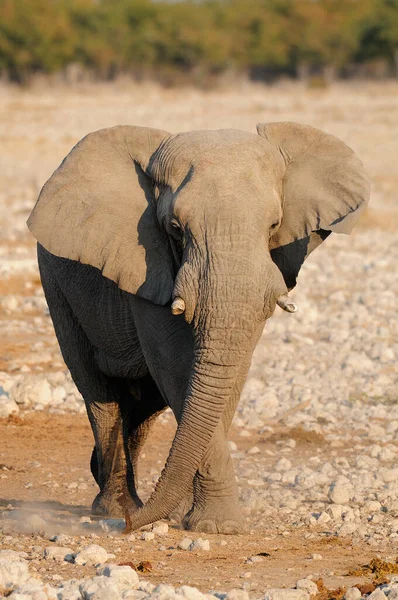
(33,459)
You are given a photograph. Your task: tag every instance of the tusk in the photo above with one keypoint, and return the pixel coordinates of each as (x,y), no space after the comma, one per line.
(178,306)
(287,304)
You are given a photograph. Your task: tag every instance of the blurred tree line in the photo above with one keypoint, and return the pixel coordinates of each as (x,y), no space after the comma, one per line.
(263,38)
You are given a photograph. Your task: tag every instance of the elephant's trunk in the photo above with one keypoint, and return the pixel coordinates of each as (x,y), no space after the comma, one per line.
(229,315)
(214,380)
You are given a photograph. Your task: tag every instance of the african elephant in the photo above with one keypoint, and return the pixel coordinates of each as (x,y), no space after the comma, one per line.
(161,257)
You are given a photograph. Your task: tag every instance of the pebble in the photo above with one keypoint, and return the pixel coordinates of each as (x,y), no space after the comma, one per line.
(340,493)
(185,544)
(8,406)
(58,553)
(286,594)
(308,585)
(199,544)
(12,571)
(352,593)
(91,555)
(160,529)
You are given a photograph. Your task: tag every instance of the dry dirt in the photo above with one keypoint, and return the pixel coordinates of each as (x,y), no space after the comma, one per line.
(33,458)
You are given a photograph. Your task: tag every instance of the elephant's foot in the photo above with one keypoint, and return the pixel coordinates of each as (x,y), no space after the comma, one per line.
(109,505)
(182,509)
(216,516)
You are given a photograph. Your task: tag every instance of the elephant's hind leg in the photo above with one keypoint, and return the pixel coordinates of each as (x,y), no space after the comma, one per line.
(139,412)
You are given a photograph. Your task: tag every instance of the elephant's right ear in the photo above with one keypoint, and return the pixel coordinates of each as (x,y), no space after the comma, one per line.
(98,209)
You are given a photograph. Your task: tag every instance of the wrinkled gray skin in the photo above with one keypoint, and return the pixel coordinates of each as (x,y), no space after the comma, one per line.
(223,220)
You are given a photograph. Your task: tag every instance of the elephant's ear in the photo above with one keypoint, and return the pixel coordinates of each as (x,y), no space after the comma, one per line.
(98,209)
(325,189)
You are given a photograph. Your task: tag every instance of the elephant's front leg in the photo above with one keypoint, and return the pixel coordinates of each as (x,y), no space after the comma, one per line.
(216,504)
(215,507)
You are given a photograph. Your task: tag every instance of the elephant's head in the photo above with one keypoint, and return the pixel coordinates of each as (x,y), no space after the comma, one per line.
(215,223)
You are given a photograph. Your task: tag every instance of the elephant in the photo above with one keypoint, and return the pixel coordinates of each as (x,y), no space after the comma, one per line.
(161,257)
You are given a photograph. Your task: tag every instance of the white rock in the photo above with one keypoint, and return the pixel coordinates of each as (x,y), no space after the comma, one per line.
(33,389)
(34,590)
(69,590)
(165,592)
(57,553)
(308,585)
(185,544)
(59,394)
(190,593)
(316,557)
(124,575)
(340,492)
(147,536)
(91,555)
(378,594)
(323,518)
(347,529)
(236,594)
(352,593)
(286,594)
(12,572)
(7,406)
(160,529)
(283,465)
(200,544)
(100,588)
(388,475)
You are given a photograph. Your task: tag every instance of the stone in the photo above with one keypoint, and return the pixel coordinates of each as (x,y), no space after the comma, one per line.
(147,536)
(190,593)
(352,593)
(100,588)
(12,572)
(124,575)
(160,529)
(378,594)
(308,585)
(57,553)
(199,544)
(283,465)
(184,544)
(286,594)
(236,594)
(165,592)
(8,406)
(33,389)
(340,493)
(91,555)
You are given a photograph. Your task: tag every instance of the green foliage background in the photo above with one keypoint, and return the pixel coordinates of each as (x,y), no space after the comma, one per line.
(109,37)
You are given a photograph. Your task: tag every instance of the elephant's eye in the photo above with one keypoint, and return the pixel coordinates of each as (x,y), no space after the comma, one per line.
(176,228)
(273,227)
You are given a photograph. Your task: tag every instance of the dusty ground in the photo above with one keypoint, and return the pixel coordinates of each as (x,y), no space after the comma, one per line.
(42,453)
(33,460)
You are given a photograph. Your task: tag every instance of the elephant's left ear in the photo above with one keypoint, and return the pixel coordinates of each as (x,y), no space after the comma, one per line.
(325,189)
